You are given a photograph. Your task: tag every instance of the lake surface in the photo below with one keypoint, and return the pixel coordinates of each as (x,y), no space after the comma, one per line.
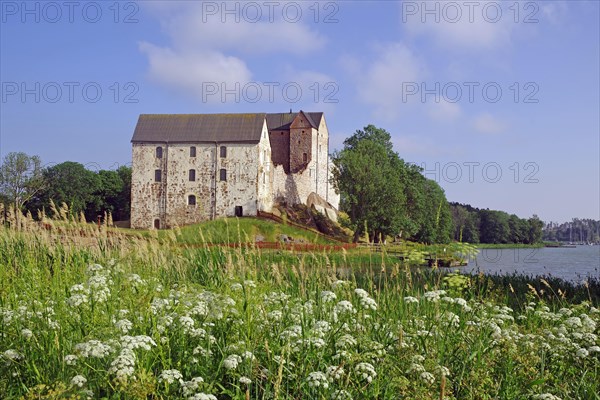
(571,264)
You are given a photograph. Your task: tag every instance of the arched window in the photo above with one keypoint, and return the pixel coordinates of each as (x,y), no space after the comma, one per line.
(193,151)
(159,152)
(192,175)
(157,223)
(223,151)
(191,200)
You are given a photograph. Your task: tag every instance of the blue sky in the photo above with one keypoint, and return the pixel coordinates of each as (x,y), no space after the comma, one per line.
(498,101)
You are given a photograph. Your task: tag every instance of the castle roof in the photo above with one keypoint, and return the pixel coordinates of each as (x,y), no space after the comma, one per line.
(210,128)
(197,128)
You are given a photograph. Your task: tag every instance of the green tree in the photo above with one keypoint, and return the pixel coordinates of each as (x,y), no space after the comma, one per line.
(436,219)
(20,178)
(113,194)
(123,201)
(493,226)
(368,175)
(535,229)
(70,183)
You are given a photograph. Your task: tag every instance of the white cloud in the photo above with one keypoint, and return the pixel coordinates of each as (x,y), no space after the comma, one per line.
(383,83)
(444,111)
(476,25)
(205,49)
(553,11)
(319,91)
(191,71)
(486,123)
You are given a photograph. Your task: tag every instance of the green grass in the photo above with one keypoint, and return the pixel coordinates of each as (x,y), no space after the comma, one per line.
(241,230)
(129,318)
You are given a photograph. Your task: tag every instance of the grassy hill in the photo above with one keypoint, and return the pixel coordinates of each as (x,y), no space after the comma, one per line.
(243,230)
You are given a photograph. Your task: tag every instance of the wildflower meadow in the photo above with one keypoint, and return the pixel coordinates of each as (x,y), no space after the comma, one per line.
(124,317)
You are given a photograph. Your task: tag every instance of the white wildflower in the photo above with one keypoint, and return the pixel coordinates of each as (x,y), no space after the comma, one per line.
(77,299)
(317,379)
(244,380)
(365,371)
(92,348)
(427,377)
(341,395)
(434,295)
(594,349)
(232,361)
(581,353)
(335,372)
(190,387)
(441,370)
(26,333)
(12,355)
(328,296)
(344,307)
(124,325)
(545,396)
(136,280)
(340,284)
(137,342)
(93,268)
(71,359)
(275,315)
(202,396)
(123,366)
(410,299)
(170,376)
(78,381)
(187,323)
(345,341)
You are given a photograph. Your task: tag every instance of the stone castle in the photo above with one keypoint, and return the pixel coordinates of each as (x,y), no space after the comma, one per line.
(189,168)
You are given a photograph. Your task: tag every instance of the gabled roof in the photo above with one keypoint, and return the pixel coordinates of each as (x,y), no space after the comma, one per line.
(198,128)
(282,121)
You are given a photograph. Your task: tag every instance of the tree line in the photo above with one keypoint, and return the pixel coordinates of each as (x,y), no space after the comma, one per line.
(474,225)
(384,196)
(29,187)
(578,230)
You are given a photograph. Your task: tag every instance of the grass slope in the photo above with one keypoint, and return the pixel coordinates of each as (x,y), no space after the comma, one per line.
(243,230)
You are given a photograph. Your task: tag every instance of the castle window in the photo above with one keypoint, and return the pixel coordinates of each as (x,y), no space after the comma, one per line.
(157,175)
(223,174)
(159,152)
(192,175)
(191,200)
(304,157)
(223,151)
(193,151)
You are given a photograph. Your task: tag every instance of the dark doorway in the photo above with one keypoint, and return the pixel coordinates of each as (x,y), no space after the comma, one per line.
(239,212)
(157,223)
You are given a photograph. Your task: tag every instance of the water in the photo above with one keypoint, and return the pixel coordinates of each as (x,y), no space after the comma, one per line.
(571,264)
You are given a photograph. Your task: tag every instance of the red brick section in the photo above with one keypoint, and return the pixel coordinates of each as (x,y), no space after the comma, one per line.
(280,149)
(300,143)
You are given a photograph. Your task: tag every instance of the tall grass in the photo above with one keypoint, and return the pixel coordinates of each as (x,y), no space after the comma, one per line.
(105,315)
